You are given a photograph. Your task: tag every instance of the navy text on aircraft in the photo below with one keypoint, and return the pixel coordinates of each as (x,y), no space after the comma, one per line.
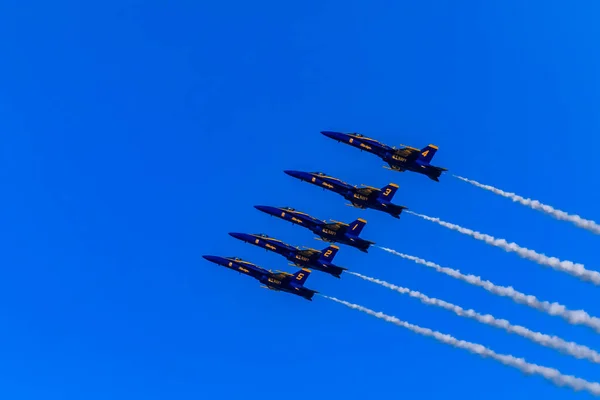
(404,159)
(334,232)
(278,280)
(305,258)
(359,197)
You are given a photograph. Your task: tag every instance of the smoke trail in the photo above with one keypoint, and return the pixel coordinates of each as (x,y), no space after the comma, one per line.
(536,205)
(575,317)
(551,374)
(574,349)
(569,267)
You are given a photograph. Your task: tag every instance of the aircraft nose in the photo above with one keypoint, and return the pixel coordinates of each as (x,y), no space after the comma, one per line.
(214,259)
(241,236)
(296,174)
(334,135)
(274,211)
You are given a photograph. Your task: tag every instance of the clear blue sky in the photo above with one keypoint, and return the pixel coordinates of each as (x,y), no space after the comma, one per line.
(136,135)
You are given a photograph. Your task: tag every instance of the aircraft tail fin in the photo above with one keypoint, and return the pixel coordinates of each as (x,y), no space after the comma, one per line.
(357,226)
(329,253)
(388,192)
(301,276)
(427,153)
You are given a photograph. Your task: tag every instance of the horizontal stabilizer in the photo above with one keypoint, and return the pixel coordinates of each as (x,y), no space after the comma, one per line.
(396,210)
(336,271)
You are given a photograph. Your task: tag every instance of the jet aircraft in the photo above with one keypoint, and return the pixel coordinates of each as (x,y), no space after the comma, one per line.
(404,159)
(334,231)
(278,280)
(365,197)
(305,258)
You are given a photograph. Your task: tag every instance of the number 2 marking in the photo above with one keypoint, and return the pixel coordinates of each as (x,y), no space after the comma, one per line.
(327,253)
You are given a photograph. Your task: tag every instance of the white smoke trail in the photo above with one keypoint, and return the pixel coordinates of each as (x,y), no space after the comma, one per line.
(536,205)
(569,267)
(575,317)
(551,374)
(574,349)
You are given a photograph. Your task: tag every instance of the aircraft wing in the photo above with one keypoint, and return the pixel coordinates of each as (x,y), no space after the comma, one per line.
(281,275)
(410,153)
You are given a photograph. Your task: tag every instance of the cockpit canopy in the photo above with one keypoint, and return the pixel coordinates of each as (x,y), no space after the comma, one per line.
(262,235)
(288,209)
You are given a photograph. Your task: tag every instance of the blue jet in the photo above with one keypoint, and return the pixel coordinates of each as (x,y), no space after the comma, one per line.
(278,280)
(403,159)
(334,231)
(363,197)
(305,258)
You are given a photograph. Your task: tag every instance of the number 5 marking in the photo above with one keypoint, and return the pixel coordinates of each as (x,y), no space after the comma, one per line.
(300,276)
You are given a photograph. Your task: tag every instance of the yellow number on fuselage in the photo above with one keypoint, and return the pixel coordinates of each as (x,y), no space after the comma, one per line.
(300,276)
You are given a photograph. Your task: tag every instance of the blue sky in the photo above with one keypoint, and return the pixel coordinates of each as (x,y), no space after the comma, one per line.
(136,135)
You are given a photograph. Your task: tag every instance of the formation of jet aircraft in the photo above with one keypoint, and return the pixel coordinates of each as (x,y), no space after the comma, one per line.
(362,197)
